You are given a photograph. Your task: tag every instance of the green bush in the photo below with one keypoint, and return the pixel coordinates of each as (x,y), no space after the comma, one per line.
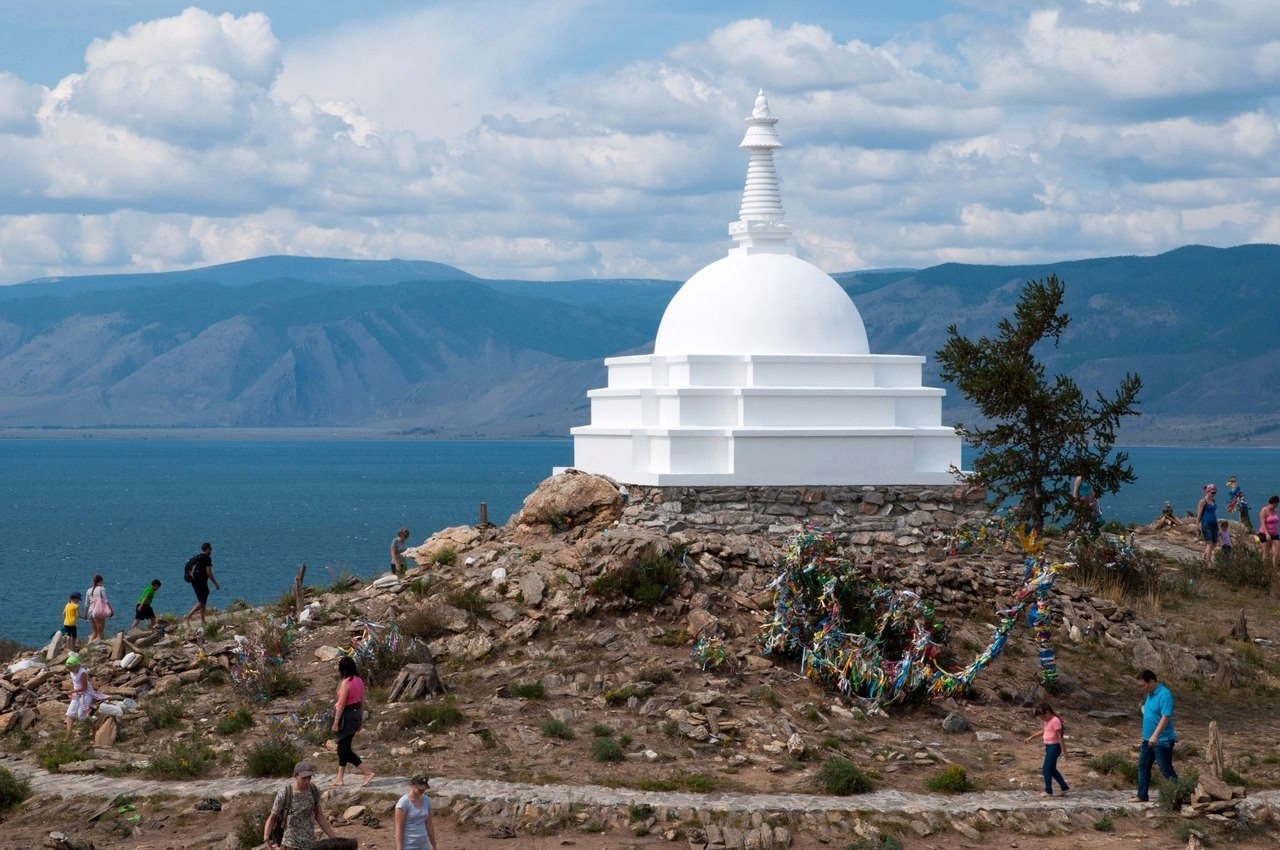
(180,760)
(274,757)
(471,601)
(60,751)
(445,557)
(1245,568)
(952,779)
(341,581)
(842,777)
(163,713)
(606,749)
(555,728)
(13,790)
(601,730)
(528,690)
(426,622)
(696,783)
(1115,763)
(645,580)
(432,716)
(249,827)
(234,721)
(1176,793)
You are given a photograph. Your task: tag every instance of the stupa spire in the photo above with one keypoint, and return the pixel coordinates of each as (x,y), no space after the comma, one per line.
(759,228)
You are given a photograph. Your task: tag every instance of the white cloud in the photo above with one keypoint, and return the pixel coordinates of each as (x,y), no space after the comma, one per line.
(19,102)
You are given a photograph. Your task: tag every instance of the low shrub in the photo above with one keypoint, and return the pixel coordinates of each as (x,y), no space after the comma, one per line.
(952,779)
(60,751)
(13,790)
(645,580)
(841,777)
(1245,568)
(601,730)
(877,842)
(1115,763)
(432,716)
(181,760)
(528,690)
(445,557)
(1176,793)
(341,581)
(606,749)
(248,829)
(471,601)
(163,713)
(556,728)
(426,622)
(275,756)
(234,721)
(696,783)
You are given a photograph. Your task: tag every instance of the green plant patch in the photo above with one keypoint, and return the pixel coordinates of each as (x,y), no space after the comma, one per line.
(432,716)
(163,713)
(13,790)
(528,690)
(274,757)
(180,760)
(60,751)
(841,777)
(952,779)
(556,728)
(234,721)
(606,750)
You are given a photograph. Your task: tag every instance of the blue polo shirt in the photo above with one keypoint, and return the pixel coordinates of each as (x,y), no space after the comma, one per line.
(1159,703)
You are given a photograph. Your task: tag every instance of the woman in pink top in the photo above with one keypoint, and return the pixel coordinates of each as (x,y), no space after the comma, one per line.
(1269,534)
(348,715)
(1052,734)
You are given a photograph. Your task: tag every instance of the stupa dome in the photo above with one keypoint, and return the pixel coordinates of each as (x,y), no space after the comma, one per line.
(761,304)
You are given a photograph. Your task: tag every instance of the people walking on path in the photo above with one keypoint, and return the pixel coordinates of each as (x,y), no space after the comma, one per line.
(398,560)
(70,616)
(298,803)
(97,609)
(1158,736)
(1269,534)
(1236,502)
(1207,516)
(199,570)
(143,611)
(414,830)
(348,717)
(1052,736)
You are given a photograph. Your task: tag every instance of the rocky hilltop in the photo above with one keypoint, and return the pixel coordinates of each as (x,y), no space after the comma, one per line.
(611,641)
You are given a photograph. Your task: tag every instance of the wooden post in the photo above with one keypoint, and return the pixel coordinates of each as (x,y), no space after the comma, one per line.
(298,591)
(484,515)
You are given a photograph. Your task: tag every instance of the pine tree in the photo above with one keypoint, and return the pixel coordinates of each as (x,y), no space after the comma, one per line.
(1039,432)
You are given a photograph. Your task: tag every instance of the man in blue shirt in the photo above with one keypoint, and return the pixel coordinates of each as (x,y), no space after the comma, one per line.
(1158,736)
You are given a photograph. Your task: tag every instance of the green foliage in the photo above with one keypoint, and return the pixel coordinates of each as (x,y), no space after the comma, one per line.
(1114,763)
(163,713)
(432,716)
(471,601)
(1042,431)
(1132,578)
(1176,793)
(275,756)
(1230,777)
(13,790)
(877,842)
(528,690)
(60,751)
(1246,568)
(670,638)
(556,728)
(602,730)
(234,721)
(842,777)
(1105,824)
(952,779)
(622,695)
(554,518)
(426,622)
(766,695)
(341,581)
(645,580)
(606,749)
(249,827)
(180,759)
(446,557)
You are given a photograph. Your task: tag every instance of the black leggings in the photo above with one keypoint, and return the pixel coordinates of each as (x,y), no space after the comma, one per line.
(347,756)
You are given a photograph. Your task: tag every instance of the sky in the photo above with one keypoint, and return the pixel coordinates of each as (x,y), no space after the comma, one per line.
(566,139)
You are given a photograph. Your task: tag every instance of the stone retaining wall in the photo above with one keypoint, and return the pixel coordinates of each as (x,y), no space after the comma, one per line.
(903,516)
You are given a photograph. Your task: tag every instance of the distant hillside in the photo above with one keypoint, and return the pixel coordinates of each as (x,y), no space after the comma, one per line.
(402,345)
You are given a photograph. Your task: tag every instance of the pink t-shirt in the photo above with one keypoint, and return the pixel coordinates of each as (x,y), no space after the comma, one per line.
(355,690)
(1053,730)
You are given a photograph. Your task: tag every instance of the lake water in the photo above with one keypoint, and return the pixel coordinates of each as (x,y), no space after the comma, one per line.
(135,509)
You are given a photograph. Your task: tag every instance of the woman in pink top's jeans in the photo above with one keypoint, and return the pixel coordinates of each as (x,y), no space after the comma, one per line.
(1052,734)
(348,716)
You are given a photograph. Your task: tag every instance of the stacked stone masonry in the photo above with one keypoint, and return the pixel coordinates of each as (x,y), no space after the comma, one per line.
(904,516)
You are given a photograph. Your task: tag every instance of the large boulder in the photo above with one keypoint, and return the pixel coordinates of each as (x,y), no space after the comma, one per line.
(572,499)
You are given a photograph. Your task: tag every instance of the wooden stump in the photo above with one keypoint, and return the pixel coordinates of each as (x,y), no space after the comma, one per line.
(1214,755)
(1240,631)
(415,681)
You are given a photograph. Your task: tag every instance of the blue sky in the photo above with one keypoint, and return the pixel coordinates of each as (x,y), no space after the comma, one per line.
(596,138)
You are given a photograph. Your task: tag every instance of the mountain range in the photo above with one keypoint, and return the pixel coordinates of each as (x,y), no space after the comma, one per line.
(425,348)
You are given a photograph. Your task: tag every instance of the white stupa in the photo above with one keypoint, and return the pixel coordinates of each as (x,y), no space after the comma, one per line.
(761,375)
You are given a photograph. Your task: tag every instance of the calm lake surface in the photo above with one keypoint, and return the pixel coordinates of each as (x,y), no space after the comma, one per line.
(134,509)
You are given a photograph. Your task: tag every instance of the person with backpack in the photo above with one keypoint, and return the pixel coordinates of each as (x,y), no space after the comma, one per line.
(1052,736)
(97,609)
(295,811)
(199,572)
